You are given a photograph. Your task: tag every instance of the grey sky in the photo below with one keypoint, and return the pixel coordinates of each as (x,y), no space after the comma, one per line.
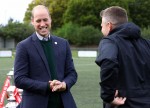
(13,9)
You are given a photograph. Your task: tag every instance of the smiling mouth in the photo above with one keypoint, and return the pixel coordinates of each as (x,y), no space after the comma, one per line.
(43,28)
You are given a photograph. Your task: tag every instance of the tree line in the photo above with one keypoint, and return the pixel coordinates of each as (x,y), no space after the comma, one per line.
(78,20)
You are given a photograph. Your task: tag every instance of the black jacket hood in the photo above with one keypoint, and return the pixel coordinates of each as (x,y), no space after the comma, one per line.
(127,30)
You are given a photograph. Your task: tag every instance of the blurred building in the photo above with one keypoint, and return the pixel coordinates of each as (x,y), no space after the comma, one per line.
(7,43)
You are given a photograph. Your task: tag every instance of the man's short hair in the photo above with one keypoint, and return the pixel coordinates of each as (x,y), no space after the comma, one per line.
(38,6)
(115,14)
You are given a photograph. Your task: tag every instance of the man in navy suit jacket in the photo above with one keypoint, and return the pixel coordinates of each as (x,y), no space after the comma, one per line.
(44,69)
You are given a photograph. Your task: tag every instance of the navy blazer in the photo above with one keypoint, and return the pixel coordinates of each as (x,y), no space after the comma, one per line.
(32,73)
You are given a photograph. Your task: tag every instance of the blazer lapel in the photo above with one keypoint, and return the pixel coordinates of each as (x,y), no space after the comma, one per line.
(40,51)
(55,46)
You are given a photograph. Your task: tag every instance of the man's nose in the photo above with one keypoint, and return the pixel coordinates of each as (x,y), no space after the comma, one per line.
(42,23)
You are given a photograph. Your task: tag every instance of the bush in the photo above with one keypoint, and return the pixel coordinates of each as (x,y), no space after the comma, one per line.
(68,31)
(146,33)
(79,36)
(88,35)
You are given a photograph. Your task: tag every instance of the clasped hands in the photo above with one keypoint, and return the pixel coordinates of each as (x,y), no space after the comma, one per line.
(56,85)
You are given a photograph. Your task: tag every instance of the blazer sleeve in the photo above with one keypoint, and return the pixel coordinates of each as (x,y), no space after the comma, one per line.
(70,72)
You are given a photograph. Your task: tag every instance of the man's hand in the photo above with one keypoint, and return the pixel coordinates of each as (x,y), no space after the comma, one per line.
(56,85)
(118,100)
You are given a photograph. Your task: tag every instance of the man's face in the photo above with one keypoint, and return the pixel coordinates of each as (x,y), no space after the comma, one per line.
(41,22)
(105,27)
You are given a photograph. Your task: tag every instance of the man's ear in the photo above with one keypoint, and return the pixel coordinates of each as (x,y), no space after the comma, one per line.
(110,26)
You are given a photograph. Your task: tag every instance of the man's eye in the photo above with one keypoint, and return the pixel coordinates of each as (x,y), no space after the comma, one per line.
(38,21)
(45,20)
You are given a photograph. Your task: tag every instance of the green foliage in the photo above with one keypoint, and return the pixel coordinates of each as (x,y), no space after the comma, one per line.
(68,31)
(146,33)
(57,9)
(86,12)
(27,18)
(1,31)
(78,20)
(83,12)
(140,13)
(16,30)
(80,36)
(88,35)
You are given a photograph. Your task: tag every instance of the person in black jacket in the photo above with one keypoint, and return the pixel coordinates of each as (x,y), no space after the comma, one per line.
(124,59)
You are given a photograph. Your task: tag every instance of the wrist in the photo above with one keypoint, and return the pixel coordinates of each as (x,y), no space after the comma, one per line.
(64,85)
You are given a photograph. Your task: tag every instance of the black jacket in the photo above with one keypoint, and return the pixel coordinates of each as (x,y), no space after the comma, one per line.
(124,58)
